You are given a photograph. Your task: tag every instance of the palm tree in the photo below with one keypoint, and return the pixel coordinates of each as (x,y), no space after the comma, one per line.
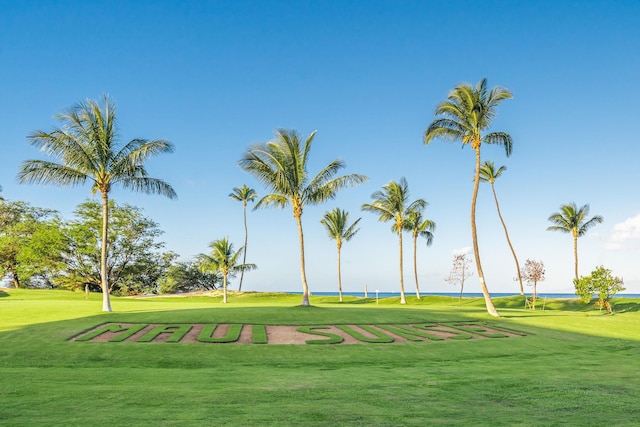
(336,222)
(281,165)
(244,194)
(419,227)
(572,220)
(466,114)
(87,148)
(489,173)
(223,260)
(391,203)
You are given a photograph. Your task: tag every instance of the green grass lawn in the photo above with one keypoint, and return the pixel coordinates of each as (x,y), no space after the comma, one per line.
(577,366)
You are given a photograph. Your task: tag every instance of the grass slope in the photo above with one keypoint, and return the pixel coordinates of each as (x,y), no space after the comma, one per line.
(579,367)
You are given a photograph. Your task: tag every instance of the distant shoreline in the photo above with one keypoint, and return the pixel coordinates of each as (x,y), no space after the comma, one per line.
(372,294)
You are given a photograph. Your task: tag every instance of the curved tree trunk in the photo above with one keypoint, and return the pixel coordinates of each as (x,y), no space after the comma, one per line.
(506,233)
(104,282)
(483,286)
(415,263)
(246,237)
(575,252)
(339,273)
(305,287)
(403,300)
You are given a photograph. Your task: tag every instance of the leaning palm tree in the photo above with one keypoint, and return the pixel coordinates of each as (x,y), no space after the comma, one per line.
(466,114)
(336,222)
(419,226)
(223,260)
(489,173)
(391,203)
(244,194)
(87,149)
(281,165)
(572,220)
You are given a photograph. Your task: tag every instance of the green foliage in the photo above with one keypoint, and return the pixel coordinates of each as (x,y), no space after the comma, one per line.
(188,277)
(31,241)
(602,282)
(134,261)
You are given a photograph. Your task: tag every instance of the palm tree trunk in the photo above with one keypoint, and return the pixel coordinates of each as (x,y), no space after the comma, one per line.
(575,252)
(305,287)
(339,274)
(403,300)
(474,235)
(104,282)
(415,264)
(246,237)
(506,233)
(224,289)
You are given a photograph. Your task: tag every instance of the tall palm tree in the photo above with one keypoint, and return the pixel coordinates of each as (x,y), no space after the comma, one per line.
(489,173)
(336,222)
(572,220)
(465,115)
(223,260)
(87,148)
(244,194)
(281,165)
(391,203)
(419,226)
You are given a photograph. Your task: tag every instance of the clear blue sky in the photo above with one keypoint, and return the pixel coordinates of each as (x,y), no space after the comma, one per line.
(216,77)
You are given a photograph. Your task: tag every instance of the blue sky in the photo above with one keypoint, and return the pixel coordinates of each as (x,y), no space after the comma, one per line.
(216,77)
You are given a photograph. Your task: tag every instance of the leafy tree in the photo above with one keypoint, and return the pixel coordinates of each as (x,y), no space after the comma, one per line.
(281,165)
(188,277)
(460,272)
(489,173)
(87,148)
(419,226)
(30,243)
(244,194)
(391,204)
(572,220)
(223,260)
(466,113)
(337,224)
(602,282)
(135,262)
(532,273)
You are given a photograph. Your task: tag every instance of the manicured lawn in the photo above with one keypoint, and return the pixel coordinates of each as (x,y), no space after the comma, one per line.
(577,366)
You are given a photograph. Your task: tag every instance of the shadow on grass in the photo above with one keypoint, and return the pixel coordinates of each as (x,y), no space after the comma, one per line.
(3,294)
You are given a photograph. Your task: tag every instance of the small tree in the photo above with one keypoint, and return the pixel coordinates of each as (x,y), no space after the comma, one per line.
(460,272)
(600,282)
(532,273)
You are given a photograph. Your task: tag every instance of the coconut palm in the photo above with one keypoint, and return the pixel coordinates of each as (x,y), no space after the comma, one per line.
(281,165)
(391,203)
(87,148)
(336,222)
(572,220)
(244,194)
(223,260)
(489,173)
(465,115)
(419,226)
